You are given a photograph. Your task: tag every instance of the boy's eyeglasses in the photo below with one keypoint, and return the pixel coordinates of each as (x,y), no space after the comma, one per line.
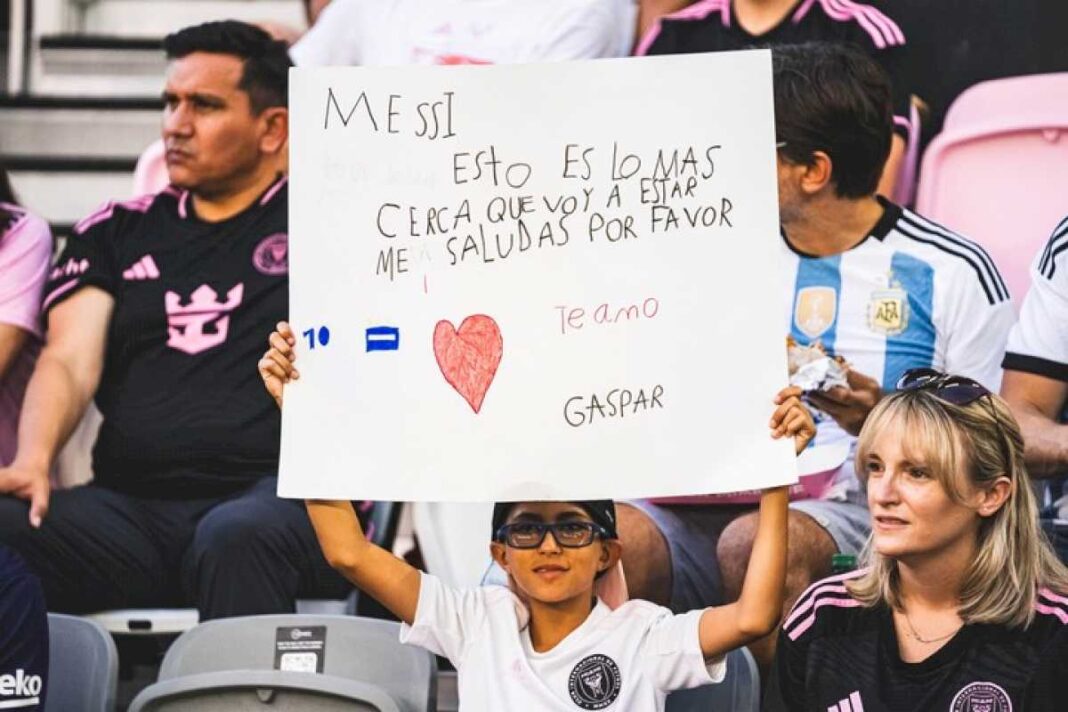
(530,535)
(958,390)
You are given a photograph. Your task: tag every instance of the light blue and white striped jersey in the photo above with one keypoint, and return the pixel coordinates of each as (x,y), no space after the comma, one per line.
(911,294)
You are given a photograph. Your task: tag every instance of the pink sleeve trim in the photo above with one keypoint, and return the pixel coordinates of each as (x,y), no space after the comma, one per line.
(59,292)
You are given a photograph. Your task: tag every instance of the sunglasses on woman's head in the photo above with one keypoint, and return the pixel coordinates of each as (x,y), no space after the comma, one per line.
(958,390)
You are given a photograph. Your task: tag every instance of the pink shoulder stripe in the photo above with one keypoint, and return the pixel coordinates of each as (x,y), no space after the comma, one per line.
(823,585)
(883,31)
(807,622)
(802,609)
(139,205)
(896,36)
(697,11)
(1052,596)
(1060,613)
(802,10)
(20,218)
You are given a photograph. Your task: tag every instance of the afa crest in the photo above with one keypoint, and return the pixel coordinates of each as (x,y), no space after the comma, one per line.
(888,311)
(815,309)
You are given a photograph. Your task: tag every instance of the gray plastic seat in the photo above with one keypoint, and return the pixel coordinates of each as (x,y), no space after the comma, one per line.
(229,664)
(83,666)
(739,691)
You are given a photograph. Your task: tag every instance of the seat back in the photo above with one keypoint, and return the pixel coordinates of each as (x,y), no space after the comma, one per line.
(261,690)
(83,666)
(454,539)
(997,171)
(739,691)
(356,649)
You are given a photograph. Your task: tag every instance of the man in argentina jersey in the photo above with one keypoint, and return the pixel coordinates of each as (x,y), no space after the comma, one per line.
(157,308)
(874,283)
(1036,377)
(723,25)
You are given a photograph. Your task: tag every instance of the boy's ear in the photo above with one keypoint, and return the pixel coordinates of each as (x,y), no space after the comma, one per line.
(611,551)
(499,552)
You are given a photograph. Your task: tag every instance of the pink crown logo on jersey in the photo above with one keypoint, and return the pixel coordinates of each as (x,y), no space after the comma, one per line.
(204,322)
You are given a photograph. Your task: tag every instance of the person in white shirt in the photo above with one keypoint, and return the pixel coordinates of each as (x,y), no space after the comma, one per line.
(399,32)
(1036,378)
(547,641)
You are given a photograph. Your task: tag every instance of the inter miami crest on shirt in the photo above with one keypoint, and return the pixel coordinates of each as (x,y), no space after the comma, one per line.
(981,697)
(595,682)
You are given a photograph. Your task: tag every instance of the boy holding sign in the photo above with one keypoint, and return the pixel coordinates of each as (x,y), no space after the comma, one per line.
(550,642)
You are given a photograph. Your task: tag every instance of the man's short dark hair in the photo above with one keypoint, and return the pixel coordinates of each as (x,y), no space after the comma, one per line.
(834,98)
(265,77)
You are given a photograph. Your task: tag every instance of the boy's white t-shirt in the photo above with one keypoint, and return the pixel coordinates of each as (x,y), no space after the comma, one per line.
(626,659)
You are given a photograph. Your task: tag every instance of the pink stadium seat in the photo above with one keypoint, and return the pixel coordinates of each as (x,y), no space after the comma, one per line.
(150,173)
(997,172)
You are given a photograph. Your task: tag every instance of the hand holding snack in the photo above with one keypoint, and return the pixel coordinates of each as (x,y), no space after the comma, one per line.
(812,368)
(849,405)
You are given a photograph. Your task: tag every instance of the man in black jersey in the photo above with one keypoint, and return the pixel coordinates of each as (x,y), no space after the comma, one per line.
(723,25)
(156,308)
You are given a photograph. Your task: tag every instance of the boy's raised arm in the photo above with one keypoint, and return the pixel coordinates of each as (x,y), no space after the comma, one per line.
(375,571)
(391,581)
(759,607)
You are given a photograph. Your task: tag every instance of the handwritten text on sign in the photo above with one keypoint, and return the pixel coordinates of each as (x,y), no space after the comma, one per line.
(536,281)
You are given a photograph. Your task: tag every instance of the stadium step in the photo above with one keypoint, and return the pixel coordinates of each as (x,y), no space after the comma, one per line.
(98,66)
(154,19)
(54,127)
(66,189)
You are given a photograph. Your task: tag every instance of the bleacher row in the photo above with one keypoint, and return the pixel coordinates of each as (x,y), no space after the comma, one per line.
(83,110)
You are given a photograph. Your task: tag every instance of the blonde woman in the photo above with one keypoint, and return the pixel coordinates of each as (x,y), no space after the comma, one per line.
(962,605)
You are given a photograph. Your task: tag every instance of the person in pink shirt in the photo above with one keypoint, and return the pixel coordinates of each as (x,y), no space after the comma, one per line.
(25,254)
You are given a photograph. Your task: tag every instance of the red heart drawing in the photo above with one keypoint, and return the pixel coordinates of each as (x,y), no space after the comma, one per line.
(468,357)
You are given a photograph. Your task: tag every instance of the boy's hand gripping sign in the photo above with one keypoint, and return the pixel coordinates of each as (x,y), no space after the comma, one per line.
(555,281)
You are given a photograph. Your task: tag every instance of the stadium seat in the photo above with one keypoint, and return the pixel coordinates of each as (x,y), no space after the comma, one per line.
(83,666)
(739,691)
(997,171)
(232,664)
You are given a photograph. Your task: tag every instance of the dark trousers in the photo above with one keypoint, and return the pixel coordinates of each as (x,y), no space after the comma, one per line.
(244,554)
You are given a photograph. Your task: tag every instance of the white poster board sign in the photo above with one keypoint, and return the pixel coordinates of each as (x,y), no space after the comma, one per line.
(535,282)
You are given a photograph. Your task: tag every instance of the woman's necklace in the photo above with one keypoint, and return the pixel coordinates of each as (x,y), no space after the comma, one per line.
(928,641)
